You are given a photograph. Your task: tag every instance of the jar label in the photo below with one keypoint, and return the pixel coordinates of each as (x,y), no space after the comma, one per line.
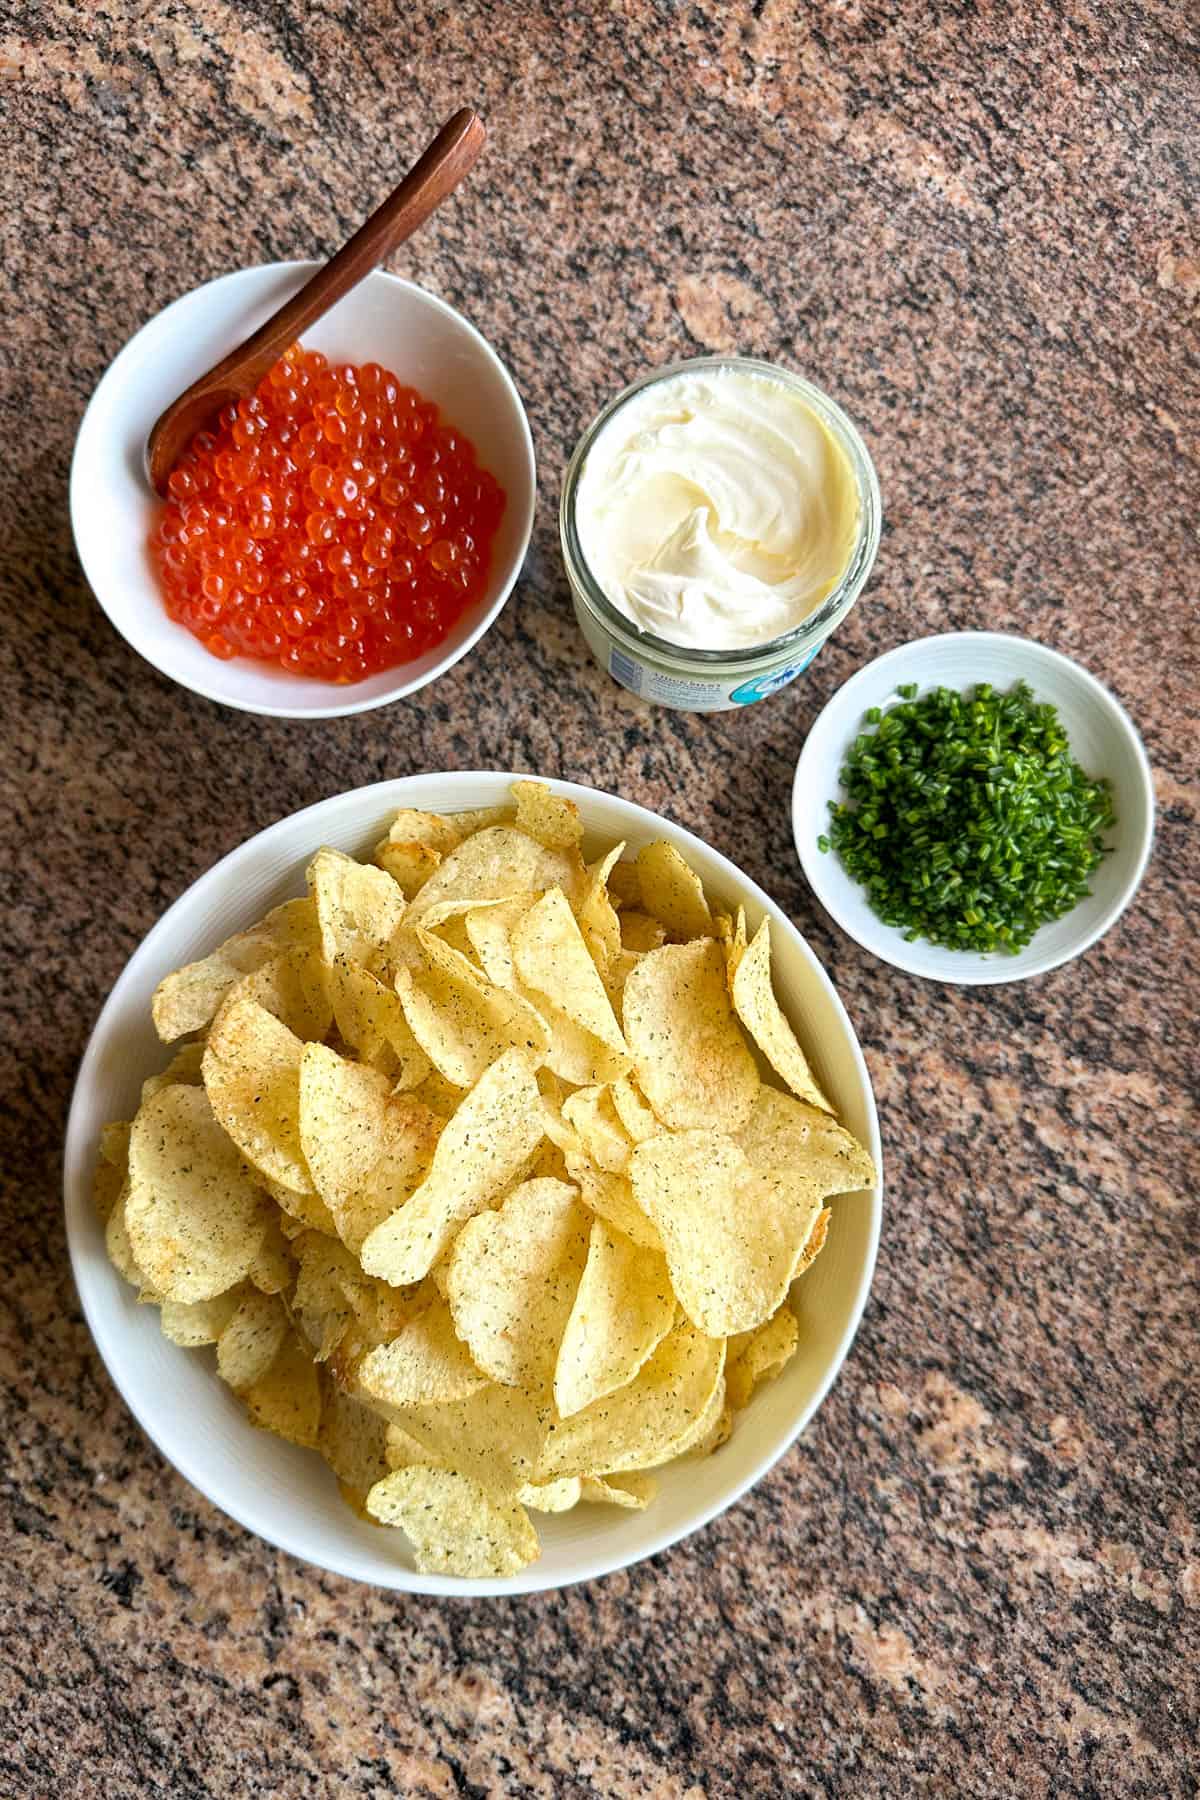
(622,668)
(763,685)
(696,693)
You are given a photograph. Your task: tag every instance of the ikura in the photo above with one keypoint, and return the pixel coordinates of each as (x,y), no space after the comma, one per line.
(332,523)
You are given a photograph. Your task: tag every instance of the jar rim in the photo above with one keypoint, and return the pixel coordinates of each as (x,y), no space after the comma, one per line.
(837,603)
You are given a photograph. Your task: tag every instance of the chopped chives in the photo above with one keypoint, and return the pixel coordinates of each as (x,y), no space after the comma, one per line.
(967,819)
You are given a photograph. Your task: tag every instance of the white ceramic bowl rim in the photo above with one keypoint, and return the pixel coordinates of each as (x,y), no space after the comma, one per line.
(886,942)
(287,1532)
(210,686)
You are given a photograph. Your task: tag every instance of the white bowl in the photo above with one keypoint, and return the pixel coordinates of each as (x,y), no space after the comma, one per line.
(1103,740)
(287,1495)
(384,319)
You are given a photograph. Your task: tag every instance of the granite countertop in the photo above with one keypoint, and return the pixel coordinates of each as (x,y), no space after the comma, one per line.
(979,1571)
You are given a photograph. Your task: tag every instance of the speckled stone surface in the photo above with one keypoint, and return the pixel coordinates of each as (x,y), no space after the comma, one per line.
(979,1572)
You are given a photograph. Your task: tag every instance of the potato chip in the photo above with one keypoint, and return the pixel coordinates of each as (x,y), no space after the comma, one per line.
(298,1212)
(551,1496)
(371,1020)
(546,1164)
(731,1235)
(703,1435)
(453,932)
(251,1340)
(479,1154)
(599,925)
(631,1107)
(558,1133)
(495,864)
(354,1498)
(715,1428)
(359,908)
(672,892)
(114,1143)
(352,1440)
(815,1243)
(442,1097)
(118,1247)
(756,1006)
(380,1312)
(512,1279)
(460,1019)
(360,911)
(252,1079)
(491,932)
(489,929)
(690,1057)
(799,1144)
(591,1113)
(481,818)
(454,1525)
(624,884)
(611,1198)
(555,969)
(640,932)
(632,1491)
(550,818)
(188,999)
(437,831)
(402,1450)
(424,1365)
(273,1269)
(292,987)
(554,1092)
(326,1276)
(112,1168)
(193,1323)
(619,971)
(195,1220)
(623,1309)
(495,1436)
(755,1356)
(644,1423)
(342,1312)
(287,1399)
(409,865)
(183,1069)
(366,1147)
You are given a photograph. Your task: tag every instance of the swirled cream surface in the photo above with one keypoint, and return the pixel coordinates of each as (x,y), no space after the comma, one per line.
(716,510)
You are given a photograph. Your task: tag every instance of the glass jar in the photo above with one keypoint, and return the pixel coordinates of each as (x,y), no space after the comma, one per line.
(692,680)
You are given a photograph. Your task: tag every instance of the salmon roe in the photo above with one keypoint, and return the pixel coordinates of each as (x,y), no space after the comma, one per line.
(332,522)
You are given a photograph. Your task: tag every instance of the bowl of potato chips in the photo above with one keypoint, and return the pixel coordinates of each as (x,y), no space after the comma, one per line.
(472,1184)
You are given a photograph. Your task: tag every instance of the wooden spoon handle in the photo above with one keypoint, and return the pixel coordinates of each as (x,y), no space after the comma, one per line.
(435,174)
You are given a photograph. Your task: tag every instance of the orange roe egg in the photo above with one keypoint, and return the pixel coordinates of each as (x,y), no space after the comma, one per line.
(332,523)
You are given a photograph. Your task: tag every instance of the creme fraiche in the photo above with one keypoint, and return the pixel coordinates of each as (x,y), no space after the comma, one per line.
(718,520)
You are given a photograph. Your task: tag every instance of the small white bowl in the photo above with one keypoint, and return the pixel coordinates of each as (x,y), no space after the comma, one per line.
(287,1495)
(384,319)
(1103,740)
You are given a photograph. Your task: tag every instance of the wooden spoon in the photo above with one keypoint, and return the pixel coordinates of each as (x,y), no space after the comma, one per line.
(436,174)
